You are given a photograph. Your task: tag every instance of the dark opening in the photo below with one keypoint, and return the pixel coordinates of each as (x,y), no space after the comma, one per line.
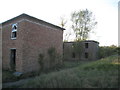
(86,45)
(86,55)
(15,27)
(73,55)
(14,34)
(13,59)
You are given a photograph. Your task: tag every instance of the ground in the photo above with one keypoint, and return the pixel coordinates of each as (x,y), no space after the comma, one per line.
(96,74)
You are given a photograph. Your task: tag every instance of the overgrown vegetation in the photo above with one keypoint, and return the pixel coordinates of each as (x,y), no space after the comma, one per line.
(52,58)
(98,74)
(7,76)
(52,55)
(105,51)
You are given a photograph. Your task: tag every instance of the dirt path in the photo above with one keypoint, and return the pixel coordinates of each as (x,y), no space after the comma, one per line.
(16,83)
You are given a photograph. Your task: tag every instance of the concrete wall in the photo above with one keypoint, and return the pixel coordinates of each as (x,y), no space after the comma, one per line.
(71,54)
(92,50)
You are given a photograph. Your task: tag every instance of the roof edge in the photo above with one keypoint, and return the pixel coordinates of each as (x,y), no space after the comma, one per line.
(83,41)
(39,20)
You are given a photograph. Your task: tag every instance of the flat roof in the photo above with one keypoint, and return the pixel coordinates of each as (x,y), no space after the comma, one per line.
(84,41)
(25,16)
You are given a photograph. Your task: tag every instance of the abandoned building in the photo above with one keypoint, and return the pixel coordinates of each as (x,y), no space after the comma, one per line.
(24,38)
(84,50)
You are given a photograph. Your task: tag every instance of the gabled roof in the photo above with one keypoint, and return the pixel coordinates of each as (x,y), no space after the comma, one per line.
(25,16)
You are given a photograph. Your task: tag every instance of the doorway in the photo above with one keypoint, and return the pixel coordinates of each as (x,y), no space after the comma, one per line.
(12,59)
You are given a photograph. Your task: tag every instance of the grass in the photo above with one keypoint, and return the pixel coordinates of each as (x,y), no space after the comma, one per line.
(72,64)
(7,76)
(98,74)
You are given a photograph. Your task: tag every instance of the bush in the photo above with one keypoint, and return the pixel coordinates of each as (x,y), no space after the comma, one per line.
(118,50)
(105,51)
(54,57)
(7,76)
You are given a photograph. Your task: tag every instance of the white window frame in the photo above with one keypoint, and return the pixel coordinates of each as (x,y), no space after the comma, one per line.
(13,30)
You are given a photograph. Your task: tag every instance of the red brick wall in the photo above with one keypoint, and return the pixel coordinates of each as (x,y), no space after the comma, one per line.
(32,39)
(8,43)
(37,39)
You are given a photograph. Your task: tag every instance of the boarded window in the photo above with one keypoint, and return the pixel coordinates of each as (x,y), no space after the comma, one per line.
(86,45)
(73,55)
(86,55)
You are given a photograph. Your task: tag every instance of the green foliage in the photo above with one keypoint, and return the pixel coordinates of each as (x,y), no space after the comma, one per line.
(105,51)
(7,76)
(83,22)
(106,64)
(41,61)
(52,54)
(81,76)
(72,64)
(54,57)
(118,50)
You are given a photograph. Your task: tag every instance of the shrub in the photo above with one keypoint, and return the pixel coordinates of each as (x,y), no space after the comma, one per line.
(118,50)
(54,57)
(105,51)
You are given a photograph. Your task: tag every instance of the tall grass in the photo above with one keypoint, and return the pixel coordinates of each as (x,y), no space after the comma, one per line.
(99,74)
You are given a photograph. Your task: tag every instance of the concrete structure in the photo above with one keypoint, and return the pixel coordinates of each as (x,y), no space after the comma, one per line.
(24,38)
(86,50)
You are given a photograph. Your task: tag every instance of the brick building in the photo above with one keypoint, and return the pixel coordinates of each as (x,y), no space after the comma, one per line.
(89,50)
(24,38)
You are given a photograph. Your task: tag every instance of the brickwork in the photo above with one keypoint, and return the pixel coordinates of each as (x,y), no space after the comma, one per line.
(33,37)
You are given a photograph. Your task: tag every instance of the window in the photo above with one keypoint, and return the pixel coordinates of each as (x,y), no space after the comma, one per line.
(86,45)
(86,55)
(73,55)
(14,31)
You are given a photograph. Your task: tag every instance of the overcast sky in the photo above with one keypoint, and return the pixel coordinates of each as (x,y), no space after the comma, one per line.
(105,11)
